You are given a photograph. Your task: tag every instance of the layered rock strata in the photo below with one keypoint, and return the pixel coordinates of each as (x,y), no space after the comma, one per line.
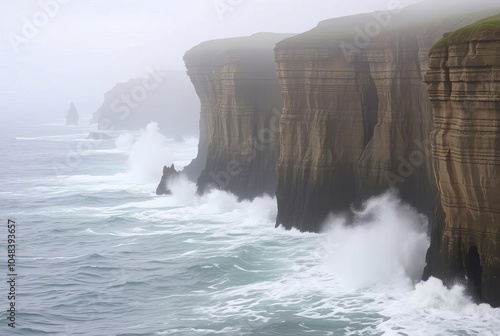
(464,87)
(241,103)
(169,173)
(356,118)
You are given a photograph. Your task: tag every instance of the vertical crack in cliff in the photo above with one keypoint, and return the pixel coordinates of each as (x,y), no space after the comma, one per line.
(473,272)
(369,110)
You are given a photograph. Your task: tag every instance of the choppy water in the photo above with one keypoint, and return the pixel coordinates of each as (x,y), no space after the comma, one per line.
(100,254)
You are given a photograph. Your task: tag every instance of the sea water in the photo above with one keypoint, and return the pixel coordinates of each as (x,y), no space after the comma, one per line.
(98,253)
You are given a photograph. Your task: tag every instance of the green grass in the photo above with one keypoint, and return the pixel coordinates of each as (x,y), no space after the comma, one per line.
(468,33)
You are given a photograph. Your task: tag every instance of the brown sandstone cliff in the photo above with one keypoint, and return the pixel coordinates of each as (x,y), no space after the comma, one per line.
(464,87)
(356,118)
(240,106)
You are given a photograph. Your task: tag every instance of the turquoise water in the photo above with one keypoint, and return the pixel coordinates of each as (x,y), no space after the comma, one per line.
(98,253)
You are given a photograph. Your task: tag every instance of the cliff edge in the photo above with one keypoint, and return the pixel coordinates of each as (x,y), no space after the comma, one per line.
(464,87)
(241,103)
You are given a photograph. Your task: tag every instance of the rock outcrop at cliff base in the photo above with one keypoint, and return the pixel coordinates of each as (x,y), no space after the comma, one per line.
(464,87)
(357,120)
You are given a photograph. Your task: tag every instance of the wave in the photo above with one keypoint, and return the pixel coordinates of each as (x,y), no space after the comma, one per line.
(387,242)
(147,155)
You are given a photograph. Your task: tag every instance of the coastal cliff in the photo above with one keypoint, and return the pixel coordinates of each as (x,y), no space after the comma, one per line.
(240,107)
(357,118)
(464,87)
(357,115)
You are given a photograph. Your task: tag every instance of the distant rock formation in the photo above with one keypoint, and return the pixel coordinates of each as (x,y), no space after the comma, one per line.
(464,87)
(167,98)
(169,173)
(240,106)
(98,136)
(72,115)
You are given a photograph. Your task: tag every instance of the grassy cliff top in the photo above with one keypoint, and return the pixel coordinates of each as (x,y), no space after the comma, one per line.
(429,19)
(468,33)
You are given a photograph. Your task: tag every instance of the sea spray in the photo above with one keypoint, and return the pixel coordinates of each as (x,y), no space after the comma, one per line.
(444,310)
(147,155)
(386,242)
(124,143)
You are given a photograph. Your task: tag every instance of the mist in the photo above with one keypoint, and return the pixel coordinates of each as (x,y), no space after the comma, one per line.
(86,47)
(80,49)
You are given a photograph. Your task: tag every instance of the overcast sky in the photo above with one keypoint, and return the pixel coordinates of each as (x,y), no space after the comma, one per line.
(86,46)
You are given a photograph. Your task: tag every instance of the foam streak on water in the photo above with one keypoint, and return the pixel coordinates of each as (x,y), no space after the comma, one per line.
(100,254)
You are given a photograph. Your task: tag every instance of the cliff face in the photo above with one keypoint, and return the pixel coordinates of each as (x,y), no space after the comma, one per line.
(163,97)
(240,106)
(356,118)
(464,87)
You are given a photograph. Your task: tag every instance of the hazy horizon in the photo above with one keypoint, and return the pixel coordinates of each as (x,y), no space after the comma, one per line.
(86,47)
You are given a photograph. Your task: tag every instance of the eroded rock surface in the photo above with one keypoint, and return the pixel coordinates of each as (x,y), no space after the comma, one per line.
(240,106)
(169,173)
(464,87)
(357,118)
(164,97)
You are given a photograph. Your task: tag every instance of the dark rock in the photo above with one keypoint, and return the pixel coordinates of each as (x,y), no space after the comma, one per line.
(166,94)
(169,173)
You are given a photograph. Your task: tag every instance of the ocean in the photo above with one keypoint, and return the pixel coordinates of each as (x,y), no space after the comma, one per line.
(98,253)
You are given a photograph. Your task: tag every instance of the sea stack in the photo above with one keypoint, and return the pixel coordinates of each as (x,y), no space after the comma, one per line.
(241,103)
(72,115)
(357,118)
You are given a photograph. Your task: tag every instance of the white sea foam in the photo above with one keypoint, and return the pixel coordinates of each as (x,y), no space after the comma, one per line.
(147,155)
(387,242)
(124,143)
